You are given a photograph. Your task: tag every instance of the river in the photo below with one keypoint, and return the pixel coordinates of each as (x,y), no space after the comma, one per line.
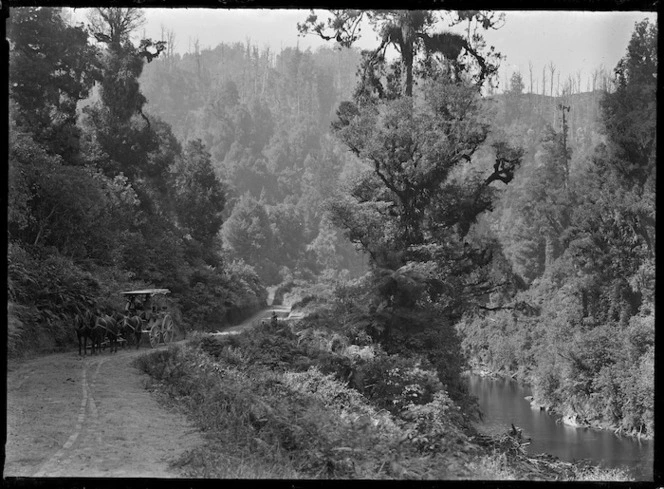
(502,403)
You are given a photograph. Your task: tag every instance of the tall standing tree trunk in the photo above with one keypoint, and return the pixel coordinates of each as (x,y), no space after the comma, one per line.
(408,68)
(407,46)
(549,250)
(407,64)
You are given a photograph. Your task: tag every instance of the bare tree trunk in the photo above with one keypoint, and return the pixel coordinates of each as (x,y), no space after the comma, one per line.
(552,69)
(530,72)
(407,63)
(198,57)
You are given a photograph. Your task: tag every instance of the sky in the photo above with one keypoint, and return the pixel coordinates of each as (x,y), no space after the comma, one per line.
(572,40)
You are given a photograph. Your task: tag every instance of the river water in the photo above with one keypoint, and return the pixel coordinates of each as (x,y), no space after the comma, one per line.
(502,403)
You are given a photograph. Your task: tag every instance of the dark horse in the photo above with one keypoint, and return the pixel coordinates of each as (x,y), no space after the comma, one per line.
(105,327)
(131,327)
(119,318)
(84,323)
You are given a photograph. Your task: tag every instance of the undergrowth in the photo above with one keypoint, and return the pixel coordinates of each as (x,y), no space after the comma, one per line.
(303,424)
(305,402)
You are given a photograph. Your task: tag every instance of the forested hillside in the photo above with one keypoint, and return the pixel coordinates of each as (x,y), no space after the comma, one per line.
(411,211)
(264,118)
(578,227)
(102,195)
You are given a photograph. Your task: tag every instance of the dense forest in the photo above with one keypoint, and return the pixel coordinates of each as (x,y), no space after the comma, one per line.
(577,227)
(265,119)
(401,200)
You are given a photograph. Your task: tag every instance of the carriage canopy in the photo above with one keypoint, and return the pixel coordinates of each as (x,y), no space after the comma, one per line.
(146,292)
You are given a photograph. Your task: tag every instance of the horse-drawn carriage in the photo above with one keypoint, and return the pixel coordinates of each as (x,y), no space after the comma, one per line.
(146,312)
(150,307)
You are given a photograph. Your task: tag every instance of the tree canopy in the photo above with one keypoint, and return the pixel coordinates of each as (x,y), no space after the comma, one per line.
(411,32)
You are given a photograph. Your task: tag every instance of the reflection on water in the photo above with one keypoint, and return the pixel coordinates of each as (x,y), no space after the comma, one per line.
(502,402)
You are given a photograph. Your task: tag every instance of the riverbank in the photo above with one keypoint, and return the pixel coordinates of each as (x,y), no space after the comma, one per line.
(505,403)
(564,414)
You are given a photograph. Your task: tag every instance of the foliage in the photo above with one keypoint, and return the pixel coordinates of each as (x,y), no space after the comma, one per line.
(412,148)
(556,285)
(425,350)
(600,371)
(420,132)
(264,122)
(308,421)
(104,194)
(73,208)
(248,236)
(46,291)
(410,32)
(394,383)
(52,68)
(199,195)
(216,297)
(303,423)
(632,141)
(582,332)
(266,415)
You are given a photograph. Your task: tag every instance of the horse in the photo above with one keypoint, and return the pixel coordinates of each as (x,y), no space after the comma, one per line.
(105,327)
(97,333)
(84,323)
(132,326)
(118,318)
(112,332)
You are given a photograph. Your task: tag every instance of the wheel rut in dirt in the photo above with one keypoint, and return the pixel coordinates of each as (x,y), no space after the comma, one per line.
(51,466)
(89,417)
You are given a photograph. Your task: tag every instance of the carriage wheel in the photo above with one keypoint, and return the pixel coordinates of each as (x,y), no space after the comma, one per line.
(155,333)
(167,329)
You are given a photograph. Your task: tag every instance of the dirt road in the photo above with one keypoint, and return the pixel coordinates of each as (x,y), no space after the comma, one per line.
(264,315)
(69,416)
(89,417)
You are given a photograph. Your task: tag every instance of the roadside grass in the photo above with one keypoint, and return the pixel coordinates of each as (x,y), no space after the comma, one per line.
(284,402)
(287,424)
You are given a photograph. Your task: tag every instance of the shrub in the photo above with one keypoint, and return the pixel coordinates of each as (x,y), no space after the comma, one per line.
(46,291)
(259,347)
(268,413)
(434,426)
(392,382)
(217,297)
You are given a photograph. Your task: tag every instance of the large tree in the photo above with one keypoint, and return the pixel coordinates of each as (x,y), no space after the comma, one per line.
(629,114)
(51,67)
(429,169)
(199,195)
(614,225)
(71,208)
(412,150)
(248,236)
(421,178)
(122,136)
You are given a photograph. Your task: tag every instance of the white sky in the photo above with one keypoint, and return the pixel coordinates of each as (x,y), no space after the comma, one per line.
(572,40)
